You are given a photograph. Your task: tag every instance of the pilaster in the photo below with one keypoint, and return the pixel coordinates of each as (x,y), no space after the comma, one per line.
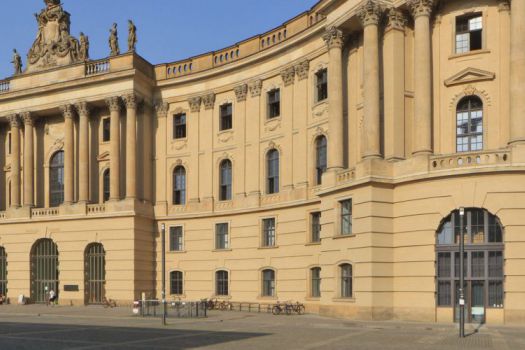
(131,101)
(83,111)
(69,154)
(14,122)
(240,171)
(287,155)
(517,73)
(29,190)
(114,107)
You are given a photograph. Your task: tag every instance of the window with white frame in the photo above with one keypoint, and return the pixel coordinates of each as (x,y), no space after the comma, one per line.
(268,234)
(221,283)
(179,185)
(469,127)
(274,103)
(272,164)
(469,33)
(315,224)
(225,178)
(345,271)
(226,111)
(315,278)
(176,238)
(346,217)
(268,283)
(179,126)
(222,240)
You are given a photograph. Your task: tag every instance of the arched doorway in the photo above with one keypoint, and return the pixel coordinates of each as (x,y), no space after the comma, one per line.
(95,273)
(44,270)
(483,261)
(3,271)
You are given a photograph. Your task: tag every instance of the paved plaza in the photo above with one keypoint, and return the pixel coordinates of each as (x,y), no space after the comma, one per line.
(40,327)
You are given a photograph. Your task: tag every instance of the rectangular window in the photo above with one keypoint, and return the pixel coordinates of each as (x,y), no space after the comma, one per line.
(176,283)
(268,287)
(444,265)
(274,103)
(106,130)
(477,268)
(176,239)
(316,282)
(315,221)
(222,283)
(221,236)
(469,33)
(495,294)
(226,117)
(321,78)
(179,126)
(496,264)
(346,217)
(444,293)
(268,239)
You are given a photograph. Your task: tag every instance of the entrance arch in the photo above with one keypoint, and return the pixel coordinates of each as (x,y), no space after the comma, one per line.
(94,273)
(483,261)
(44,270)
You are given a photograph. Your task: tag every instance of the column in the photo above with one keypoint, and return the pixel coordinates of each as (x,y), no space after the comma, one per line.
(15,160)
(69,149)
(114,149)
(300,125)
(287,156)
(131,145)
(422,130)
(394,85)
(193,123)
(253,146)
(83,148)
(517,72)
(239,185)
(370,16)
(161,139)
(334,40)
(29,199)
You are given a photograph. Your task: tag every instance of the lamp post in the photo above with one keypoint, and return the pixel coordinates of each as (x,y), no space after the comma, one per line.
(163,231)
(461,274)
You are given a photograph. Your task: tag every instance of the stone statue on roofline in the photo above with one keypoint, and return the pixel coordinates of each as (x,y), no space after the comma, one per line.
(17,62)
(113,41)
(84,47)
(132,36)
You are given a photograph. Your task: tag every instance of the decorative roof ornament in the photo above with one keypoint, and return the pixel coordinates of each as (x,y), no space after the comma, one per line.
(113,41)
(132,36)
(54,46)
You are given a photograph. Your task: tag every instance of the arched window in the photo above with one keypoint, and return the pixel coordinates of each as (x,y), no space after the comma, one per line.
(44,270)
(272,169)
(221,283)
(483,262)
(346,280)
(179,186)
(56,179)
(469,124)
(176,283)
(268,283)
(320,158)
(95,273)
(3,272)
(225,190)
(105,185)
(315,278)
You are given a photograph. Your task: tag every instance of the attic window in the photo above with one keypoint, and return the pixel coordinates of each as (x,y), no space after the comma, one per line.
(469,30)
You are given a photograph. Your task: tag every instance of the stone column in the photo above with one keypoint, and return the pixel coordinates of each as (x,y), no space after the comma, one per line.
(517,72)
(422,126)
(370,15)
(83,145)
(161,195)
(15,160)
(69,149)
(287,156)
(114,153)
(239,186)
(131,145)
(334,40)
(29,199)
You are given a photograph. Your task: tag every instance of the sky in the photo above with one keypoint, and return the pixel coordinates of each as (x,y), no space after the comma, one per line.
(168,30)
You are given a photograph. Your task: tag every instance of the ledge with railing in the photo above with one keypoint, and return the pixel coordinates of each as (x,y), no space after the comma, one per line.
(468,160)
(43,212)
(5,86)
(97,67)
(94,209)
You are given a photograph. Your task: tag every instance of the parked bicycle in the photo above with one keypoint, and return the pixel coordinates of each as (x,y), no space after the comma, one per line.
(288,308)
(109,303)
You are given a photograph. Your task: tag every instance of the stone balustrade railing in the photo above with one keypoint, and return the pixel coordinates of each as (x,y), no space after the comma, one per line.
(97,67)
(346,176)
(43,212)
(2,214)
(93,209)
(471,159)
(5,85)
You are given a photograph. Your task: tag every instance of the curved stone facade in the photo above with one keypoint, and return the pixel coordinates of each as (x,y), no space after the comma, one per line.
(339,141)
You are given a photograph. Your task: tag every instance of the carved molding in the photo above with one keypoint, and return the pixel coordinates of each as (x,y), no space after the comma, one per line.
(255,88)
(131,101)
(288,75)
(471,90)
(370,13)
(27,118)
(301,69)
(67,111)
(504,5)
(162,109)
(241,92)
(195,104)
(421,7)
(208,100)
(396,19)
(83,108)
(333,38)
(113,103)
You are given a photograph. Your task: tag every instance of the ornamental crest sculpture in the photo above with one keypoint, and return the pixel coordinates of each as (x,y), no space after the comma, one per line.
(54,45)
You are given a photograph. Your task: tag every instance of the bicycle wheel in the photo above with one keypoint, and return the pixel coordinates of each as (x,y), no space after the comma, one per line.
(276,310)
(288,309)
(300,309)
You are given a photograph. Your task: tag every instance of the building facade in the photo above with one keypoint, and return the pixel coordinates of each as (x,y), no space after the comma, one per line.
(324,161)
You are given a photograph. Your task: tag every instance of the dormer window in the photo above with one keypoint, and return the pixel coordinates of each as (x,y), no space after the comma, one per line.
(469,30)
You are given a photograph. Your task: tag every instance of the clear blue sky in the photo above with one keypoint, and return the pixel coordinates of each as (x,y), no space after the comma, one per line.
(168,30)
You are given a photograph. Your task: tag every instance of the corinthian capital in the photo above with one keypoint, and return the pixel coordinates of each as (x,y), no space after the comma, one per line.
(333,37)
(504,5)
(113,103)
(370,13)
(131,101)
(288,75)
(27,118)
(301,69)
(162,108)
(14,121)
(208,100)
(421,7)
(240,92)
(195,104)
(82,108)
(255,88)
(396,19)
(67,111)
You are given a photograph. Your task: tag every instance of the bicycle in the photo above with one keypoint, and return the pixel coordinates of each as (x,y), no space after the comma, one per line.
(109,303)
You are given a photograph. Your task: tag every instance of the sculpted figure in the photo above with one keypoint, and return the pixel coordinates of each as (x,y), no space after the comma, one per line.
(113,41)
(84,47)
(17,62)
(132,36)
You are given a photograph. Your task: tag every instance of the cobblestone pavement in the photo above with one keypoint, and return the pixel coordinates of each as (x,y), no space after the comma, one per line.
(40,327)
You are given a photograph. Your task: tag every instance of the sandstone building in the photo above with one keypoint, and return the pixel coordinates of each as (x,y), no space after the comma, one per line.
(323,161)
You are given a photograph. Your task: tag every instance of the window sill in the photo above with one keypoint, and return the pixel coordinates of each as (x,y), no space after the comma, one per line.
(181,139)
(467,54)
(312,298)
(274,119)
(343,300)
(221,297)
(221,250)
(321,102)
(176,252)
(272,247)
(344,236)
(224,131)
(312,243)
(261,297)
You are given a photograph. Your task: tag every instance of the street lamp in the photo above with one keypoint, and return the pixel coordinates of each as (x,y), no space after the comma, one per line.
(163,231)
(461,274)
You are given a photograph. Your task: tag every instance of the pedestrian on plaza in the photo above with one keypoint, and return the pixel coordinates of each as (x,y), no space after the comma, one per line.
(52,297)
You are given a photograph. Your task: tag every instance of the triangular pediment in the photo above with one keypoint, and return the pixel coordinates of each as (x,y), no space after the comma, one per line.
(469,75)
(103,157)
